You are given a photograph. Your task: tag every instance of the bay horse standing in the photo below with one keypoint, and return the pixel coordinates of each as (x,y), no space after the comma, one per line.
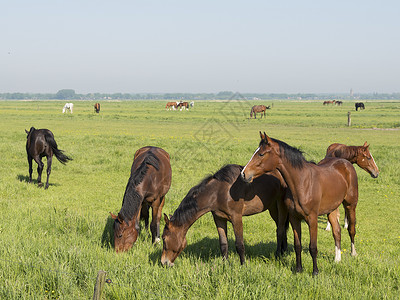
(147,186)
(359,105)
(183,105)
(315,190)
(171,105)
(359,155)
(229,198)
(258,109)
(97,107)
(40,143)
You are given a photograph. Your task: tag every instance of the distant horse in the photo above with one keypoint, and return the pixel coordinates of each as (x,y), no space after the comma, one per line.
(329,102)
(339,103)
(68,106)
(229,198)
(150,180)
(316,190)
(171,105)
(258,109)
(359,155)
(40,143)
(359,105)
(183,105)
(191,104)
(97,107)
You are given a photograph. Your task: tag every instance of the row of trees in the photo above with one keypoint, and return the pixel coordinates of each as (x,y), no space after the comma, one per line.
(69,94)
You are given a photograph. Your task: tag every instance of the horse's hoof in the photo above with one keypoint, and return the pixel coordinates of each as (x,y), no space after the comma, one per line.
(315,273)
(156,241)
(40,184)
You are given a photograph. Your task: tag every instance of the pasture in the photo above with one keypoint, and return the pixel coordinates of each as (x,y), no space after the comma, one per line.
(53,242)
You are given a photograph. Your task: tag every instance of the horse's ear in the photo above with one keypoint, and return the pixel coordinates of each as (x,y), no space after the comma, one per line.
(26,131)
(166,219)
(113,216)
(262,136)
(365,145)
(267,138)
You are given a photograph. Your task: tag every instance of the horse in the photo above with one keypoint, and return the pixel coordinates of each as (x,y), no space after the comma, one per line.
(191,104)
(68,106)
(229,198)
(359,105)
(359,155)
(171,105)
(147,186)
(258,109)
(329,102)
(339,103)
(183,105)
(40,143)
(97,107)
(315,190)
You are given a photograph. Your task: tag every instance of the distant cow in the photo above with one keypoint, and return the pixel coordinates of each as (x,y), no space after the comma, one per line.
(97,107)
(360,105)
(67,106)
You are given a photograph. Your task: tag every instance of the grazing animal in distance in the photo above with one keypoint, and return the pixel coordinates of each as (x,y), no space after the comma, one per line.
(40,143)
(359,155)
(183,105)
(191,104)
(68,106)
(97,107)
(228,198)
(339,103)
(329,102)
(148,184)
(359,105)
(258,109)
(315,190)
(171,105)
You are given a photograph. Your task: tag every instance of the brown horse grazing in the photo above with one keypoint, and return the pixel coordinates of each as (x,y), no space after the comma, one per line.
(183,105)
(171,105)
(359,155)
(150,180)
(316,190)
(97,107)
(329,102)
(258,109)
(40,143)
(228,198)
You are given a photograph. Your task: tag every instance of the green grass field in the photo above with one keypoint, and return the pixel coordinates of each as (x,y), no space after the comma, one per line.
(53,242)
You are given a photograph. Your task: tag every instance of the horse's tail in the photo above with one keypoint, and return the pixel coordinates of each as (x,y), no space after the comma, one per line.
(57,152)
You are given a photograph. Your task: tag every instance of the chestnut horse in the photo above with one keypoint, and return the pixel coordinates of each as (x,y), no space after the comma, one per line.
(258,109)
(150,180)
(329,102)
(40,143)
(171,105)
(359,155)
(228,198)
(316,190)
(97,107)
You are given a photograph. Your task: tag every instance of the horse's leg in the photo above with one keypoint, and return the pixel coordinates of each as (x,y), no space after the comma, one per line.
(328,225)
(144,214)
(296,226)
(346,221)
(38,160)
(222,232)
(313,228)
(30,167)
(157,207)
(334,220)
(237,224)
(49,160)
(281,227)
(351,212)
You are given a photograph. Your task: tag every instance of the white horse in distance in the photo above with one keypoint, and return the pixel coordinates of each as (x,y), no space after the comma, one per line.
(69,106)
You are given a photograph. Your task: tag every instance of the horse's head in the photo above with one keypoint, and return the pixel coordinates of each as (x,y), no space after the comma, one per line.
(125,233)
(264,159)
(366,161)
(174,241)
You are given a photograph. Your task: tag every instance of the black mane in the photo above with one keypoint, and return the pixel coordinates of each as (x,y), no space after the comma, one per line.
(132,199)
(188,207)
(293,155)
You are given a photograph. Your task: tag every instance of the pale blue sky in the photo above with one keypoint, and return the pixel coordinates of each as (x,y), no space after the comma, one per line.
(200,46)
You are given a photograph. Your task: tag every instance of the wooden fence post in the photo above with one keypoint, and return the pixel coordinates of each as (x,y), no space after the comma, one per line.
(349,119)
(98,288)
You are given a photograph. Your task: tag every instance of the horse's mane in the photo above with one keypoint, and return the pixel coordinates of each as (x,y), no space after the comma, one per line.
(293,155)
(132,198)
(188,207)
(346,152)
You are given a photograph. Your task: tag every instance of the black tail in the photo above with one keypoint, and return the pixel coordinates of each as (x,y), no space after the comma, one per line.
(57,152)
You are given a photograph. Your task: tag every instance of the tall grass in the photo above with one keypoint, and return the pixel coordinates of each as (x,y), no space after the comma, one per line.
(53,242)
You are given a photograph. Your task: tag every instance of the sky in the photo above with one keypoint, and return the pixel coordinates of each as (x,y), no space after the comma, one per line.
(169,46)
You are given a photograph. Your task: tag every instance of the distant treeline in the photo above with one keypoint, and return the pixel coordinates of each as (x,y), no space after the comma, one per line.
(69,94)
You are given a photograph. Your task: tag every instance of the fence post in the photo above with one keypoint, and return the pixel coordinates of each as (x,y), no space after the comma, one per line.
(98,288)
(349,119)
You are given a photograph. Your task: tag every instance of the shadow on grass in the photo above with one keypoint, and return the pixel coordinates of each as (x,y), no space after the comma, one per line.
(25,178)
(107,238)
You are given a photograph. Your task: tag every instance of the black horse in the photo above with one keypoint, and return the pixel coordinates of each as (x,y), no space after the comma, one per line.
(39,143)
(360,105)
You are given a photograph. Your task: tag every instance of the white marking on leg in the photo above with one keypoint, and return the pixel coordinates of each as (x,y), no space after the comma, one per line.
(249,161)
(328,226)
(338,254)
(353,250)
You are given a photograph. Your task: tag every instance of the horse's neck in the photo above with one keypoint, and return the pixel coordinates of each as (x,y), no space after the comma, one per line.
(294,178)
(350,153)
